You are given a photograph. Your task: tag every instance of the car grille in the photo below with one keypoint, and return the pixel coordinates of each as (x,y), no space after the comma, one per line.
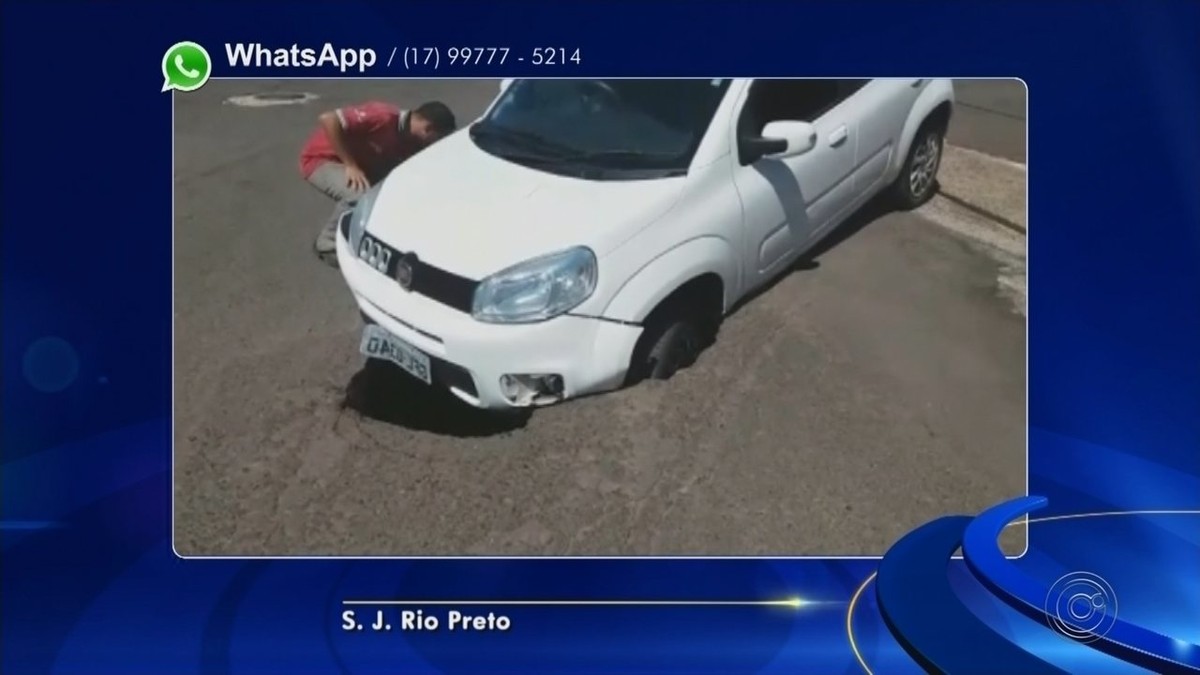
(432,282)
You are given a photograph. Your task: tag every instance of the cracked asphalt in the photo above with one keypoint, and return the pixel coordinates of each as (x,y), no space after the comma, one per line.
(867,392)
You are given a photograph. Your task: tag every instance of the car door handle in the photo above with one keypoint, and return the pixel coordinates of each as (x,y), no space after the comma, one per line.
(838,136)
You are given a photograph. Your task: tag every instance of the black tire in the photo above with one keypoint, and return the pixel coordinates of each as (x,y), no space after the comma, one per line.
(670,344)
(917,182)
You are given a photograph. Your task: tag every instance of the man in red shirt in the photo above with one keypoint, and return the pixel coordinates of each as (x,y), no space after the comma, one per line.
(355,147)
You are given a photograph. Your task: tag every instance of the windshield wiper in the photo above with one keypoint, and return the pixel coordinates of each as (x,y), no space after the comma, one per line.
(639,155)
(663,164)
(526,140)
(536,149)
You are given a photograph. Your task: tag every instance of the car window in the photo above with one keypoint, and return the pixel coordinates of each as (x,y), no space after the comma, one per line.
(796,100)
(611,124)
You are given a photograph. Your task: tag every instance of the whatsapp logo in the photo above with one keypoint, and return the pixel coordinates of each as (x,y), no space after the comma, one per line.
(186,67)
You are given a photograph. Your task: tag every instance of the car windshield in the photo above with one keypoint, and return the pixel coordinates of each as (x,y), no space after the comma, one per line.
(601,128)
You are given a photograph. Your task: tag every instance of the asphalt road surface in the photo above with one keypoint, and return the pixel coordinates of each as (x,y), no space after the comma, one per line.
(990,117)
(877,388)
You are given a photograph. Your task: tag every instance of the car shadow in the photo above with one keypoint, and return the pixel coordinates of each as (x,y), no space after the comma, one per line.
(383,392)
(785,186)
(868,213)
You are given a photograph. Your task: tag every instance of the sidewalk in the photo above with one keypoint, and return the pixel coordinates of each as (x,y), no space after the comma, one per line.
(991,186)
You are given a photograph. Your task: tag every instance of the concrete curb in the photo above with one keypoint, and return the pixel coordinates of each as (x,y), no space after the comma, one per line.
(992,186)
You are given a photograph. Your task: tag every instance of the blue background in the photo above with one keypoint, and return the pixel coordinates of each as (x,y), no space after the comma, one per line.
(89,580)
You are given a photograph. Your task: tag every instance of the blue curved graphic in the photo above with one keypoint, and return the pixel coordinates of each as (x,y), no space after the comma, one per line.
(1121,639)
(927,618)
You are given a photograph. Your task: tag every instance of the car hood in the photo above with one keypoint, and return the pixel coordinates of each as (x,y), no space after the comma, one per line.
(471,213)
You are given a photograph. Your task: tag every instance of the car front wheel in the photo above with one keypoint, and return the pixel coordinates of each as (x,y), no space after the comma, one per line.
(676,347)
(671,342)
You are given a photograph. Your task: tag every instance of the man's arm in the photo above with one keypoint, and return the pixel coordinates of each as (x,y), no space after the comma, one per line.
(336,133)
(331,122)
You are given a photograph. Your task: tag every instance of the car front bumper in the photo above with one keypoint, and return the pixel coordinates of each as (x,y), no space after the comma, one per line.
(469,357)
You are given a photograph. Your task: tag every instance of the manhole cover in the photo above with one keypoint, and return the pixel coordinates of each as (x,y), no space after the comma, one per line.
(270,99)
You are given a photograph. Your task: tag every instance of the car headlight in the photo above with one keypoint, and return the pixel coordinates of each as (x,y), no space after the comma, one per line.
(537,289)
(354,221)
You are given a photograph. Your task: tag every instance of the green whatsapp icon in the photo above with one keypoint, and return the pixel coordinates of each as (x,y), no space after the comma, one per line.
(186,67)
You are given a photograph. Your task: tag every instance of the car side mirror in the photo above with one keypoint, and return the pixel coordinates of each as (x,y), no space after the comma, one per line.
(789,138)
(504,84)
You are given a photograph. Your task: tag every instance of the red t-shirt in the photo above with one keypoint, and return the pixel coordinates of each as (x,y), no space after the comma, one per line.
(374,136)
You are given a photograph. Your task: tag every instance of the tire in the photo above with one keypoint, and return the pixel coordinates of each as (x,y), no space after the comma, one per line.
(917,181)
(668,346)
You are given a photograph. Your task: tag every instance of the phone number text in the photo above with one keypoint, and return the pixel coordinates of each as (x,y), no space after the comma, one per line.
(434,58)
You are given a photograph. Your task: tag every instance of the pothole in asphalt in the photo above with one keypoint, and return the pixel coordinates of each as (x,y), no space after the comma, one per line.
(266,100)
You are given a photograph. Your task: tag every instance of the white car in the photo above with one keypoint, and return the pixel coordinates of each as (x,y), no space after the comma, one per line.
(582,234)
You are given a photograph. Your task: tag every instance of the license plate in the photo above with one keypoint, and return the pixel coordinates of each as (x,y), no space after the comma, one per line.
(377,343)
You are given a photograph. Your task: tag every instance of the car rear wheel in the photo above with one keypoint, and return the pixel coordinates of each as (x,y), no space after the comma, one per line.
(917,181)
